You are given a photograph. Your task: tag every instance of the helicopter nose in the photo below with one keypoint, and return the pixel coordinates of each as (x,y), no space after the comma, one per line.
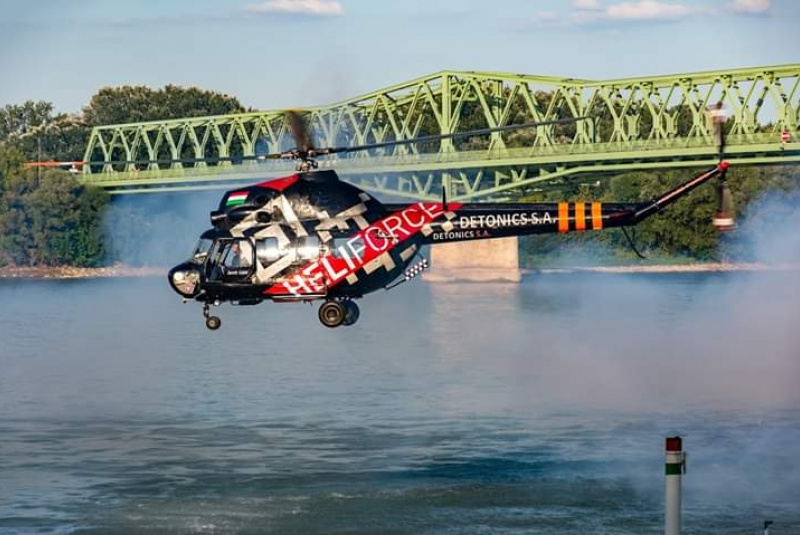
(185,279)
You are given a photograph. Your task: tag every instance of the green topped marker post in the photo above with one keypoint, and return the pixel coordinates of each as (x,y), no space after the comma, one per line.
(675,467)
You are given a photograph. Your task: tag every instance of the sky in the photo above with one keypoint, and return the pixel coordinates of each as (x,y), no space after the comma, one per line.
(274,54)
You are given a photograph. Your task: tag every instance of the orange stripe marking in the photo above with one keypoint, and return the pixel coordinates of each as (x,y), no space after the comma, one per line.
(580,216)
(563,217)
(597,216)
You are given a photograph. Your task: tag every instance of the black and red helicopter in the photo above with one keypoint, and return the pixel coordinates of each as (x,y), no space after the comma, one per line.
(310,236)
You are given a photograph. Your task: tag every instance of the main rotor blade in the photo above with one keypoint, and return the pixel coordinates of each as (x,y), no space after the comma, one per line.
(438,137)
(214,159)
(54,164)
(297,126)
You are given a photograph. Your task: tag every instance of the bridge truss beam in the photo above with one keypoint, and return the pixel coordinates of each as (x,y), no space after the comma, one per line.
(640,123)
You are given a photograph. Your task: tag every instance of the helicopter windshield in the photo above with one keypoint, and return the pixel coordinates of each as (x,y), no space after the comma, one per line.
(201,251)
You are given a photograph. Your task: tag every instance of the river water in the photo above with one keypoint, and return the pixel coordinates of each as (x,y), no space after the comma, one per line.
(512,409)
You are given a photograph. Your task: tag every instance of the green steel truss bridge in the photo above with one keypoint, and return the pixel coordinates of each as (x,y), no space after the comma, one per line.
(642,123)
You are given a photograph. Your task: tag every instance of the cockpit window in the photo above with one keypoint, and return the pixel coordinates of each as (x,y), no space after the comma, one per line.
(201,251)
(238,255)
(230,260)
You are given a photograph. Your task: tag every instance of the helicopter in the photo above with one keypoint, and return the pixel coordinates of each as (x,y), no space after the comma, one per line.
(311,237)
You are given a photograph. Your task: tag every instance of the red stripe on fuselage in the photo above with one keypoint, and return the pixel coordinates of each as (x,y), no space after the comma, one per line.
(280,184)
(363,247)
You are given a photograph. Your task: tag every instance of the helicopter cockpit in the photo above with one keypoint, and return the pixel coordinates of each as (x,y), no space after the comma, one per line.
(224,259)
(217,257)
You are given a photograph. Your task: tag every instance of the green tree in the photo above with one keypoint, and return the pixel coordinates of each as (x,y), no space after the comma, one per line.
(48,218)
(11,160)
(18,120)
(42,135)
(130,104)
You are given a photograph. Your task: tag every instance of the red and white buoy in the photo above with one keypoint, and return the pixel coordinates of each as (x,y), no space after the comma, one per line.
(674,470)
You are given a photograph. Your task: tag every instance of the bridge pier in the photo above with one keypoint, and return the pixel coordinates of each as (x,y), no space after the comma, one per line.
(494,260)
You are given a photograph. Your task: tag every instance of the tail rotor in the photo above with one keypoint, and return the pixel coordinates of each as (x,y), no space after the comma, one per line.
(723,219)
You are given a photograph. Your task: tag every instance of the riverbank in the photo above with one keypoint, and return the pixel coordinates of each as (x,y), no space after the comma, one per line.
(69,272)
(705,267)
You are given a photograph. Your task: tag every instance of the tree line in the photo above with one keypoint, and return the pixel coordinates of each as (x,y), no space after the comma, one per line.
(47,218)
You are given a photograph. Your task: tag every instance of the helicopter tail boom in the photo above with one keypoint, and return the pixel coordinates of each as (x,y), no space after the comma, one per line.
(475,221)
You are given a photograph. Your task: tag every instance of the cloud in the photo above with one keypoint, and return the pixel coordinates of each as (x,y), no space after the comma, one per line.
(752,7)
(647,10)
(316,8)
(586,5)
(593,12)
(607,13)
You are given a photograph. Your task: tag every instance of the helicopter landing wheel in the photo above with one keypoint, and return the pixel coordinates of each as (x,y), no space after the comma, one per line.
(213,323)
(352,314)
(332,313)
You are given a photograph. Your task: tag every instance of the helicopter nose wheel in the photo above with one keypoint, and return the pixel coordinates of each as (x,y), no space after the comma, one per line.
(212,322)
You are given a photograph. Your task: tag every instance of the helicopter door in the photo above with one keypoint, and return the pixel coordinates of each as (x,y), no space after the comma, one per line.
(234,260)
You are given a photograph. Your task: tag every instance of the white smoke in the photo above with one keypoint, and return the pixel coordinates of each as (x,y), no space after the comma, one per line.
(157,229)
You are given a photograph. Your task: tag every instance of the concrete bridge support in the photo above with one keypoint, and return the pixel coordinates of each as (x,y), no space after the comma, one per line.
(475,261)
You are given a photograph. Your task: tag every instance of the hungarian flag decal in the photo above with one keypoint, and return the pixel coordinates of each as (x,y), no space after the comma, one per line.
(236,199)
